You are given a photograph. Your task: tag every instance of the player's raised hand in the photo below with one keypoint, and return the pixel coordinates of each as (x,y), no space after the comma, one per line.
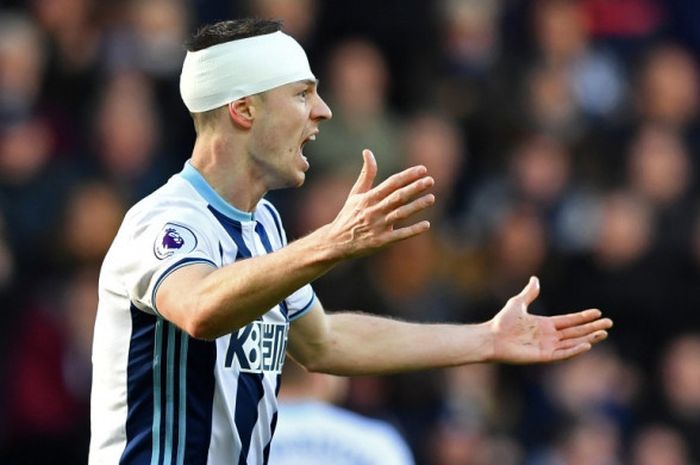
(369,218)
(520,337)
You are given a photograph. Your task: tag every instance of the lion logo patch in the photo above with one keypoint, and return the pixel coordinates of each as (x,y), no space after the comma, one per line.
(172,239)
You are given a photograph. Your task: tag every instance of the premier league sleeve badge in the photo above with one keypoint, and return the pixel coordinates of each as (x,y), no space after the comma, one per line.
(174,238)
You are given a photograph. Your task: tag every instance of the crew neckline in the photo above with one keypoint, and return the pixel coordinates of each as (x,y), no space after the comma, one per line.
(200,184)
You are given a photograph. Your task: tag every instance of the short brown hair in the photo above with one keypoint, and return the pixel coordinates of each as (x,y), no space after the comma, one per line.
(227,31)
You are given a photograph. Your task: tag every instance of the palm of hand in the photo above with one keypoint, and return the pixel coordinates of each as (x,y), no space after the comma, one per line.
(371,216)
(520,337)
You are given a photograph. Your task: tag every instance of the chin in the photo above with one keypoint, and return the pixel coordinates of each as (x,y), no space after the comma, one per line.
(292,182)
(300,180)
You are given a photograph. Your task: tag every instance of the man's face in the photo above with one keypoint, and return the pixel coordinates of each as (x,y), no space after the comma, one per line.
(286,118)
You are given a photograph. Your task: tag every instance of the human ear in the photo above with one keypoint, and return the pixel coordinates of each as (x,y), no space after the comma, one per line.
(242,112)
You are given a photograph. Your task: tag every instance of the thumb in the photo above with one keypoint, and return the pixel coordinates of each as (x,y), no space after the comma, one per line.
(531,291)
(369,172)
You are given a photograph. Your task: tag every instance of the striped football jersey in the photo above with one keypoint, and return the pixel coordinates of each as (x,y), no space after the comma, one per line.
(159,396)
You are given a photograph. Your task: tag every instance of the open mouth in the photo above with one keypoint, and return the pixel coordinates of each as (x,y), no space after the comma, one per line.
(307,139)
(310,138)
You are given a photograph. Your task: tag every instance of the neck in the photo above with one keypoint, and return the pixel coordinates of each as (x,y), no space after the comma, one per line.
(222,162)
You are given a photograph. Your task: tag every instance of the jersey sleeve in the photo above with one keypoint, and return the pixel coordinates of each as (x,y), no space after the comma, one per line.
(300,302)
(160,245)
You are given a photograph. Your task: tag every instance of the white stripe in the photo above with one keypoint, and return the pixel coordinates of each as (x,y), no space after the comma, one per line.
(224,446)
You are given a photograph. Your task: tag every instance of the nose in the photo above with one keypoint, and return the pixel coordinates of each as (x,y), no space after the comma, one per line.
(321,110)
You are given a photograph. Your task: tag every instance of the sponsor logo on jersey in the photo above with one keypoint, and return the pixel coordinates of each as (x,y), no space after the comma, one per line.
(258,348)
(174,238)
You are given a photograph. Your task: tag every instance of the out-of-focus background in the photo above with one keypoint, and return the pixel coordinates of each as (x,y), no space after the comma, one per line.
(563,137)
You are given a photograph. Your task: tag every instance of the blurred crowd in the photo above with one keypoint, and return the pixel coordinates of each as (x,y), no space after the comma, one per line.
(564,140)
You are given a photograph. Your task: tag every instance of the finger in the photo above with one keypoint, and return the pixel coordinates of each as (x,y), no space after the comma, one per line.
(531,291)
(598,336)
(593,338)
(406,194)
(585,329)
(578,318)
(564,354)
(412,208)
(408,231)
(369,172)
(397,181)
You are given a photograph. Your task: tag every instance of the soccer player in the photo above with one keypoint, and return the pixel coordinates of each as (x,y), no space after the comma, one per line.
(201,295)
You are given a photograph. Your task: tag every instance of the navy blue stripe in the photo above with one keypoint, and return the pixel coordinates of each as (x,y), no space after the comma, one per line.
(139,397)
(233,228)
(200,363)
(284,308)
(273,423)
(263,237)
(278,223)
(250,392)
(266,451)
(279,384)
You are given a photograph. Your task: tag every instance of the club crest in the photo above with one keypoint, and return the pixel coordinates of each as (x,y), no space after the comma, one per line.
(174,238)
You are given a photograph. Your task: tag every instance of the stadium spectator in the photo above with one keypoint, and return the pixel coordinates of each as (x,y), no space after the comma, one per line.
(312,430)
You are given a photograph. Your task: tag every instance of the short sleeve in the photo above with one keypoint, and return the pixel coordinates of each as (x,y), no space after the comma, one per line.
(300,302)
(158,247)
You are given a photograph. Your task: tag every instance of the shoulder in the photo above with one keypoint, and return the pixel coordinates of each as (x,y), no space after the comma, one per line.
(172,218)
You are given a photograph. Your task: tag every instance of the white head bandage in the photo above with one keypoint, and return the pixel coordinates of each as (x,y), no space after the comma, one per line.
(217,75)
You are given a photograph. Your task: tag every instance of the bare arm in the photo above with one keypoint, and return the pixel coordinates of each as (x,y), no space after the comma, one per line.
(208,303)
(355,344)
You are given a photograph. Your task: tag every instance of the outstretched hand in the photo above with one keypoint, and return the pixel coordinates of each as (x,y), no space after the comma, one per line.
(520,337)
(369,219)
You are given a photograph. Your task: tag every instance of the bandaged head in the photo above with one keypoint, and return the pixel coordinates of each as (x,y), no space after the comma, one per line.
(214,76)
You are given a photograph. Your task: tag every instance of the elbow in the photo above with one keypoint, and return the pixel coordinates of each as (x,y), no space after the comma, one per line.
(200,324)
(316,359)
(207,322)
(199,330)
(326,367)
(312,366)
